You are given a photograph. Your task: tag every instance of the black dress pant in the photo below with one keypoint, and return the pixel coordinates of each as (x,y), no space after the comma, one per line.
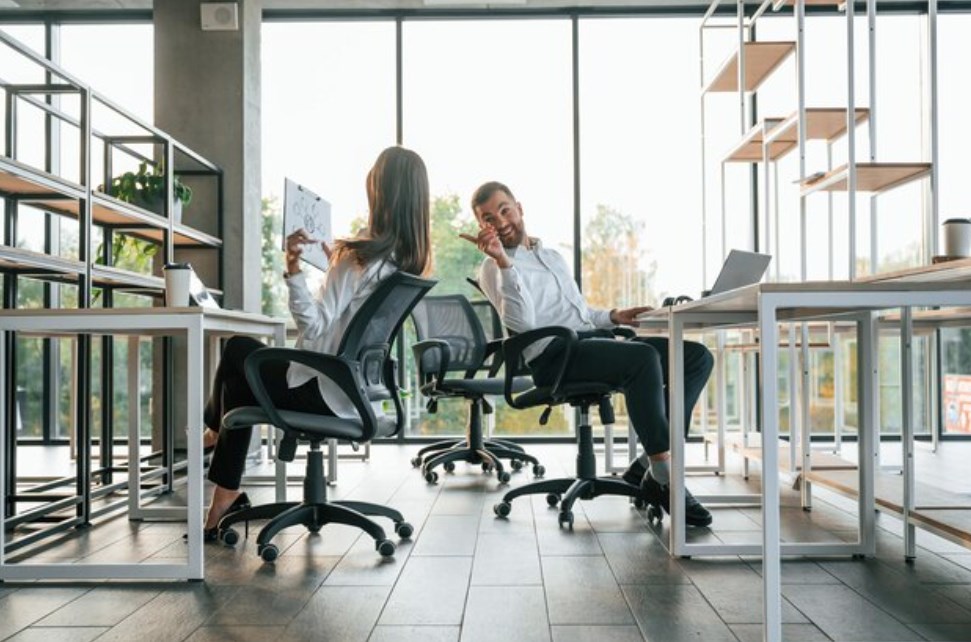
(231,390)
(639,368)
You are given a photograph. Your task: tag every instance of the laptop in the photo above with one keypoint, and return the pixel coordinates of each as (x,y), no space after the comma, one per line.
(741,268)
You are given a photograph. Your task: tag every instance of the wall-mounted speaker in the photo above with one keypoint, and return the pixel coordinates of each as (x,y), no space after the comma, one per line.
(219,16)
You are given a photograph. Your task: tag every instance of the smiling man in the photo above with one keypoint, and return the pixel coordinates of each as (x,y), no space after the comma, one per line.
(531,287)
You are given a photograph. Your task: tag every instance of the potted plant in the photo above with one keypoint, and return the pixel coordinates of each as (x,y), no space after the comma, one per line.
(146,188)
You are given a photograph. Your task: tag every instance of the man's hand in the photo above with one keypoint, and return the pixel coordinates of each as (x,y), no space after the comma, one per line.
(628,316)
(489,244)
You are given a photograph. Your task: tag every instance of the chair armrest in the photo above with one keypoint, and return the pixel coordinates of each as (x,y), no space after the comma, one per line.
(494,349)
(512,351)
(623,331)
(434,348)
(346,373)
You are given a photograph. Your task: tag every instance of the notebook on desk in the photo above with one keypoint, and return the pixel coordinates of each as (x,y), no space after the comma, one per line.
(740,268)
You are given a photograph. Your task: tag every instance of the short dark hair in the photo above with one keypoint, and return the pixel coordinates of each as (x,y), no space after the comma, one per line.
(485,192)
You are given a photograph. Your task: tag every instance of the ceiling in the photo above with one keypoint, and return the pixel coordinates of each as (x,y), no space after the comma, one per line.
(505,5)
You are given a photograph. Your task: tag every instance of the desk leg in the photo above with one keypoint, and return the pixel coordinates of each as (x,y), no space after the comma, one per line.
(907,429)
(771,546)
(194,383)
(4,371)
(134,422)
(676,429)
(868,399)
(720,359)
(806,429)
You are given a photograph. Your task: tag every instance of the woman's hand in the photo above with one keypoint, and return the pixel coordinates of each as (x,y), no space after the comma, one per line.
(294,248)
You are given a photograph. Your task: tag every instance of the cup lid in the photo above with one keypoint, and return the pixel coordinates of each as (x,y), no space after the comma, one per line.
(957,220)
(177,266)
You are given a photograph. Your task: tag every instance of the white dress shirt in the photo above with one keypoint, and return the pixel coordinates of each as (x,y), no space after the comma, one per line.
(322,320)
(538,291)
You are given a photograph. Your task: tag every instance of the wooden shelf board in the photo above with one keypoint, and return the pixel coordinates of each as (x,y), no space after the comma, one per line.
(761,59)
(958,270)
(20,260)
(749,149)
(819,460)
(17,179)
(111,276)
(104,211)
(778,4)
(941,510)
(870,177)
(822,123)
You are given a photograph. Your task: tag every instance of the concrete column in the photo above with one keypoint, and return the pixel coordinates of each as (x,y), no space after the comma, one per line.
(207,95)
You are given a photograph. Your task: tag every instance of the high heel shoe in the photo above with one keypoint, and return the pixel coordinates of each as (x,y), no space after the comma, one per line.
(241,502)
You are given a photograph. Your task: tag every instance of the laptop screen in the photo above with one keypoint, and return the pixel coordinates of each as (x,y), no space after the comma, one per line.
(741,268)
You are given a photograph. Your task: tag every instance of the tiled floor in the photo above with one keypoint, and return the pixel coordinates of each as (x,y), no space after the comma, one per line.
(468,575)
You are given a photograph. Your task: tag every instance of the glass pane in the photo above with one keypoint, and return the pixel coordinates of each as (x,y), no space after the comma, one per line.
(956,384)
(512,113)
(628,196)
(322,126)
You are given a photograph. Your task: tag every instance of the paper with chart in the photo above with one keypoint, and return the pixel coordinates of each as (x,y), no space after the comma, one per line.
(304,209)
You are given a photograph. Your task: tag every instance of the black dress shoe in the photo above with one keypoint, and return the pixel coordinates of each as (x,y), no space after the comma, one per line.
(241,502)
(634,473)
(655,493)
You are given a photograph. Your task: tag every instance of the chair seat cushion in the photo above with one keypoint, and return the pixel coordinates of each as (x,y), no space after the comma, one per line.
(492,386)
(543,395)
(309,426)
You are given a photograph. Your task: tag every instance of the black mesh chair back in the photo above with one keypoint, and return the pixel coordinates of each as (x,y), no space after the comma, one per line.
(450,318)
(372,331)
(364,370)
(452,338)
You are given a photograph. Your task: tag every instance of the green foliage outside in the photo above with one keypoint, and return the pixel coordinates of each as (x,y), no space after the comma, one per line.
(273,292)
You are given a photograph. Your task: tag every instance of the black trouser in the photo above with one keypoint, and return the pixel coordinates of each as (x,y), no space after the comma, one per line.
(231,390)
(639,367)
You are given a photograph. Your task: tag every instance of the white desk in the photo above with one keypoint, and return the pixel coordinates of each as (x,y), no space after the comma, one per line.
(196,325)
(765,306)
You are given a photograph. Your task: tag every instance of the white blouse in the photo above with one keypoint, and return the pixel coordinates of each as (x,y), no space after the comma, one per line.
(322,320)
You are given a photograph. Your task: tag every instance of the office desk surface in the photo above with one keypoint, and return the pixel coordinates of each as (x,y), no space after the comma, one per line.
(765,305)
(196,326)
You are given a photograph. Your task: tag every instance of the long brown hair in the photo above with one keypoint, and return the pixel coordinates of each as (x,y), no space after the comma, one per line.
(399,225)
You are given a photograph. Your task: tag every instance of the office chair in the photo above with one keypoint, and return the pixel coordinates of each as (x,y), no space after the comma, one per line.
(452,340)
(365,371)
(581,395)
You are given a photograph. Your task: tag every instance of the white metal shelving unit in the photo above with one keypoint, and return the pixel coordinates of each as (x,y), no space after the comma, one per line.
(71,193)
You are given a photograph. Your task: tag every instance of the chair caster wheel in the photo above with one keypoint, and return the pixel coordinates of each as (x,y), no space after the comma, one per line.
(486,467)
(386,548)
(404,530)
(504,477)
(229,537)
(654,515)
(431,477)
(314,529)
(515,464)
(416,462)
(539,470)
(552,499)
(502,509)
(269,552)
(639,503)
(449,467)
(566,519)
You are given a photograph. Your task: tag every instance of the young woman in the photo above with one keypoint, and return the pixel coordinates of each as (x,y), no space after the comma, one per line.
(397,238)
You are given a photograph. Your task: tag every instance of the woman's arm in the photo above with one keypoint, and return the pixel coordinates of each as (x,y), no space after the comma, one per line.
(316,316)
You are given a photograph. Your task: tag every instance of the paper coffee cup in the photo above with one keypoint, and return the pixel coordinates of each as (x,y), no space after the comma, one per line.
(177,284)
(957,237)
